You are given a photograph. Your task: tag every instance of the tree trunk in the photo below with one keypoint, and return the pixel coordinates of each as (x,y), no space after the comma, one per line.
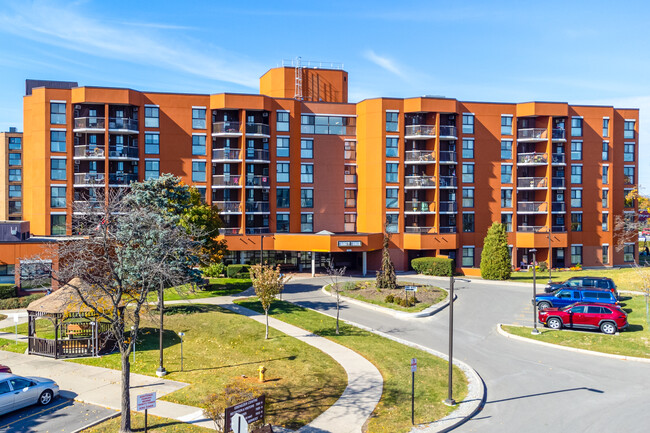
(125,424)
(266,313)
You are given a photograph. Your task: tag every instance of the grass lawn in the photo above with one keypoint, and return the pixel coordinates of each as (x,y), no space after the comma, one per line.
(154,424)
(44,328)
(367,292)
(393,414)
(221,347)
(635,341)
(217,287)
(625,278)
(12,346)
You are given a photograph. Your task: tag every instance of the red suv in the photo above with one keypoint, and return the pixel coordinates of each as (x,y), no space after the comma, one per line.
(581,315)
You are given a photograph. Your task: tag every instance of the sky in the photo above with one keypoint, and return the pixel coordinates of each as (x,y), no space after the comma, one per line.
(580,52)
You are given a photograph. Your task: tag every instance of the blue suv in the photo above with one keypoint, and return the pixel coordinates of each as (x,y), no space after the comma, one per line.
(567,296)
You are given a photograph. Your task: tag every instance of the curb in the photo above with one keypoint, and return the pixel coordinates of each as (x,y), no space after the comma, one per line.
(506,334)
(96,422)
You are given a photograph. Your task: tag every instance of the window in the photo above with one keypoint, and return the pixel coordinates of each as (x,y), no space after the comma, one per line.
(605,223)
(576,150)
(15,207)
(7,271)
(392,198)
(628,128)
(605,254)
(282,197)
(198,118)
(468,222)
(628,175)
(468,173)
(468,197)
(151,117)
(151,169)
(307,149)
(307,173)
(307,223)
(628,152)
(468,149)
(605,127)
(307,197)
(350,150)
(350,222)
(151,144)
(282,223)
(628,252)
(605,174)
(576,198)
(506,149)
(506,125)
(57,169)
(15,175)
(506,173)
(198,145)
(468,123)
(506,220)
(391,172)
(392,223)
(350,198)
(15,191)
(506,198)
(576,221)
(282,147)
(15,143)
(468,257)
(627,200)
(282,124)
(391,147)
(605,156)
(392,123)
(605,202)
(282,172)
(576,254)
(576,174)
(57,225)
(198,171)
(576,127)
(14,159)
(57,197)
(57,113)
(57,141)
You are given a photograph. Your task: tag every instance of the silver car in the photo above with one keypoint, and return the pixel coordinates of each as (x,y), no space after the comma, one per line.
(17,392)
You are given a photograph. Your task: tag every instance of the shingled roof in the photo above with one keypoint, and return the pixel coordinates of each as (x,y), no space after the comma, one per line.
(67,300)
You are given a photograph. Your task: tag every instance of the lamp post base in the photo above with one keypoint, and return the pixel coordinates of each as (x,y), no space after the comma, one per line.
(535,331)
(160,372)
(450,402)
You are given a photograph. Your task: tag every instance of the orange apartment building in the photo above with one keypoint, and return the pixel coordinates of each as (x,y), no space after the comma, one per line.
(303,177)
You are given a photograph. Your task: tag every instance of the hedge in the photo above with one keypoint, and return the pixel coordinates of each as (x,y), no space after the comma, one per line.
(238,271)
(21,302)
(439,266)
(7,291)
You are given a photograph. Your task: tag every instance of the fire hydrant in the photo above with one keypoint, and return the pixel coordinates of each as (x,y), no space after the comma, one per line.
(262,370)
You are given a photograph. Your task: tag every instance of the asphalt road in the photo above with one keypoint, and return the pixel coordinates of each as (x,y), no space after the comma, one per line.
(530,388)
(62,415)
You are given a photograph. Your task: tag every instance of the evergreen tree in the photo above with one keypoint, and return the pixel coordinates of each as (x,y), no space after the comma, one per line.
(386,276)
(495,258)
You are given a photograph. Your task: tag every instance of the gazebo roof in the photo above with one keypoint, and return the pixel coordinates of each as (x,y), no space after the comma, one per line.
(67,300)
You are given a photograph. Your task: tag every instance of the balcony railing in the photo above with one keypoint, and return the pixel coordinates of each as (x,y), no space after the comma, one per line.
(448,131)
(226,154)
(257,230)
(89,123)
(229,231)
(89,151)
(123,123)
(350,178)
(532,229)
(447,157)
(559,134)
(419,182)
(559,229)
(532,158)
(123,152)
(532,134)
(416,131)
(257,155)
(448,206)
(257,180)
(532,182)
(257,206)
(226,128)
(557,182)
(558,158)
(257,129)
(419,157)
(449,229)
(419,230)
(419,206)
(122,178)
(532,207)
(89,178)
(448,181)
(350,154)
(558,206)
(229,206)
(226,180)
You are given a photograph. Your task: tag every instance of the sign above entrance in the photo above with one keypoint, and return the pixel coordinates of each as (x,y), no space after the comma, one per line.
(343,244)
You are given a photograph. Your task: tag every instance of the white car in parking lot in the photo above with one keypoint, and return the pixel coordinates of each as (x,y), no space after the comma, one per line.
(17,392)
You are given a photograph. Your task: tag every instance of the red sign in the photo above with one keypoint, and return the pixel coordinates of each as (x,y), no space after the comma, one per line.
(414,365)
(146,401)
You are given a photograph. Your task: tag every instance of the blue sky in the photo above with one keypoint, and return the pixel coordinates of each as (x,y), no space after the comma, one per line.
(581,52)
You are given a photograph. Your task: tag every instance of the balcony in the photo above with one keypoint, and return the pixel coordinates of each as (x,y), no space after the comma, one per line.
(447,182)
(89,124)
(123,124)
(558,207)
(86,206)
(419,230)
(420,132)
(532,134)
(122,179)
(226,181)
(89,152)
(419,157)
(558,183)
(417,182)
(447,157)
(349,227)
(558,159)
(532,183)
(450,229)
(257,230)
(258,130)
(127,153)
(258,207)
(257,155)
(89,179)
(448,132)
(532,229)
(559,229)
(257,181)
(350,179)
(532,207)
(231,207)
(226,129)
(229,231)
(417,207)
(559,135)
(226,155)
(448,207)
(532,159)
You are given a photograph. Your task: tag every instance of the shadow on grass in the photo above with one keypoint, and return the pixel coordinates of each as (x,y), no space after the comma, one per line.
(290,401)
(634,328)
(262,361)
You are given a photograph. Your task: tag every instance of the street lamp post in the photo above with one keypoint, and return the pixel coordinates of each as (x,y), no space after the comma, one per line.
(93,336)
(535,331)
(181,334)
(161,305)
(550,255)
(450,401)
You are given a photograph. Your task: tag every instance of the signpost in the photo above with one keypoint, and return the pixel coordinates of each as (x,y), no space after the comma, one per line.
(145,402)
(408,289)
(16,325)
(251,410)
(239,424)
(414,367)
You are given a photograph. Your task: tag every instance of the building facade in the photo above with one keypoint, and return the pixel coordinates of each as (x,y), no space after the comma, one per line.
(11,192)
(303,177)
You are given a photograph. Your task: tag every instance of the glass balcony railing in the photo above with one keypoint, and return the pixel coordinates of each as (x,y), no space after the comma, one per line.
(448,206)
(89,123)
(89,178)
(227,154)
(257,129)
(559,229)
(226,180)
(559,134)
(123,152)
(447,157)
(123,123)
(226,128)
(419,230)
(424,131)
(229,206)
(257,155)
(532,134)
(229,231)
(448,181)
(419,181)
(419,206)
(448,131)
(257,206)
(89,152)
(532,229)
(419,157)
(448,229)
(532,158)
(257,180)
(532,207)
(557,182)
(532,182)
(558,158)
(257,230)
(122,178)
(558,206)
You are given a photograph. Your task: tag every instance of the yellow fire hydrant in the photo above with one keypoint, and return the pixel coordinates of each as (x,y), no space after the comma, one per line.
(262,370)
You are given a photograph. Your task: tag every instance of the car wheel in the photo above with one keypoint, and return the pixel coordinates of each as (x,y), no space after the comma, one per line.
(45,398)
(554,323)
(544,305)
(608,328)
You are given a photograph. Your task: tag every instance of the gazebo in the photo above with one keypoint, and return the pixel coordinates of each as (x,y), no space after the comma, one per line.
(76,330)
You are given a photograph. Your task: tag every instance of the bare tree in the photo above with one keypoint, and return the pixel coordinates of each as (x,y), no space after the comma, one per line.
(334,275)
(268,283)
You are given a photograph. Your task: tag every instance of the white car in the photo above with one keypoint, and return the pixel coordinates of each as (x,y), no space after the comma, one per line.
(17,392)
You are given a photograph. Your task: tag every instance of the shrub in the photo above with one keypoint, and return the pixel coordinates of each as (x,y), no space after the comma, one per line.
(7,291)
(214,270)
(439,266)
(349,286)
(495,258)
(238,271)
(543,266)
(214,405)
(389,299)
(21,302)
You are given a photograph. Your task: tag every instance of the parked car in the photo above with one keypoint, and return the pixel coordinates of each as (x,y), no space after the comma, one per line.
(598,282)
(4,369)
(607,318)
(564,297)
(17,392)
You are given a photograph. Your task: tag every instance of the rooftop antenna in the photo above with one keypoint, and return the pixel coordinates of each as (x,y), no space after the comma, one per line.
(298,91)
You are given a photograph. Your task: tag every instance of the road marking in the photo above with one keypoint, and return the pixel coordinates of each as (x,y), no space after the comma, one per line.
(34,414)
